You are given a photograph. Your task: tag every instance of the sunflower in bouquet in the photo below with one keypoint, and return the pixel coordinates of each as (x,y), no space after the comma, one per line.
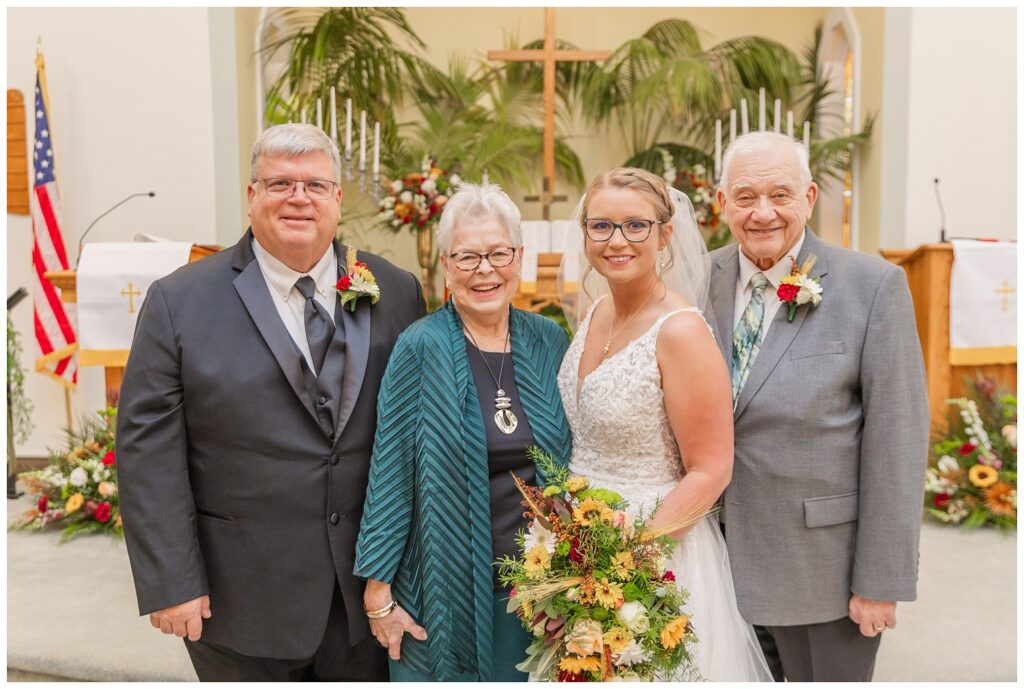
(590,584)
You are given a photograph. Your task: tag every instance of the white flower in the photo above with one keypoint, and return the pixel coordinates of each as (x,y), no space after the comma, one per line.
(670,176)
(388,202)
(947,463)
(454,180)
(405,197)
(1010,433)
(631,655)
(810,291)
(79,477)
(699,170)
(660,591)
(396,186)
(633,616)
(538,535)
(428,186)
(97,476)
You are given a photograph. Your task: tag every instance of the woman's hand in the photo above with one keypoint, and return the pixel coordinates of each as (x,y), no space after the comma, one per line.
(389,629)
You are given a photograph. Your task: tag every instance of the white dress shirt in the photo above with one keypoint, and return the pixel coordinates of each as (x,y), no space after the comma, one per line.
(744,290)
(289,301)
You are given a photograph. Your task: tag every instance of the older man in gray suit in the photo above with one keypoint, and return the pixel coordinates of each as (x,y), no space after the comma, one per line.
(823,515)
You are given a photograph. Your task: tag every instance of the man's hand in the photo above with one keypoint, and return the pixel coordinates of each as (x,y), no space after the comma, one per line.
(390,630)
(873,616)
(183,619)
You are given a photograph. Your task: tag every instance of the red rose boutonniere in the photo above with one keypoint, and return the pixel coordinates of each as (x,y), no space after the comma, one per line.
(358,282)
(799,288)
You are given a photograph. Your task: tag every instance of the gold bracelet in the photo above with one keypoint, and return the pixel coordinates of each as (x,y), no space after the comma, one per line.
(383,612)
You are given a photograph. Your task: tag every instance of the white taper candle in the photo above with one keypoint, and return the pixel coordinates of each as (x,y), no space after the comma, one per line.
(334,116)
(362,141)
(732,125)
(807,135)
(789,124)
(744,124)
(718,149)
(376,150)
(761,114)
(319,113)
(348,127)
(777,120)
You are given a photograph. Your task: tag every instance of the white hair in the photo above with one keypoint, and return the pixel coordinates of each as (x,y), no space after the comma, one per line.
(474,202)
(760,142)
(293,140)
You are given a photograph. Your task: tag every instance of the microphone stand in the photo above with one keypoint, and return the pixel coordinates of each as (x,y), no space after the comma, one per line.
(81,240)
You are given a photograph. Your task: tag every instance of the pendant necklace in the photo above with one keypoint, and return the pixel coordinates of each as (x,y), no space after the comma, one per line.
(504,419)
(613,335)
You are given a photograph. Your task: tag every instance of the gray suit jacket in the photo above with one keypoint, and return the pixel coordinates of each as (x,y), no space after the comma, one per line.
(831,443)
(241,475)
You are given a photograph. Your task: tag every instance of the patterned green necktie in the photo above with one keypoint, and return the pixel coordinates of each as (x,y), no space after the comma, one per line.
(746,338)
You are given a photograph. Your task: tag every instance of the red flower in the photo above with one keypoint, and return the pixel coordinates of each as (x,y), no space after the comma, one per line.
(669,576)
(941,500)
(574,551)
(967,448)
(108,459)
(90,507)
(566,676)
(360,264)
(344,282)
(787,293)
(43,501)
(102,513)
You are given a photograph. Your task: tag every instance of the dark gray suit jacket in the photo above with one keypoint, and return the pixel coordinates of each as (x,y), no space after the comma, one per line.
(242,476)
(831,443)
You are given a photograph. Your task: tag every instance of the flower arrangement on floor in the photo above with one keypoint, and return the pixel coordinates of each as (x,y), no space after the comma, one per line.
(78,489)
(972,479)
(591,586)
(416,200)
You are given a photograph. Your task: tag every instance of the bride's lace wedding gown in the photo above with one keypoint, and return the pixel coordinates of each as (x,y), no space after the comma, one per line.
(622,441)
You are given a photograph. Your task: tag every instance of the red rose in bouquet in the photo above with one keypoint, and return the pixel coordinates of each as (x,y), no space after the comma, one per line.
(108,459)
(102,512)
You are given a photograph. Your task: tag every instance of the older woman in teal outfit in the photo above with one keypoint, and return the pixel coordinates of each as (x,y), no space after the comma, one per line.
(467,390)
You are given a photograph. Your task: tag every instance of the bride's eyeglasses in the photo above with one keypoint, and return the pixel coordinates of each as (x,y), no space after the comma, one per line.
(634,229)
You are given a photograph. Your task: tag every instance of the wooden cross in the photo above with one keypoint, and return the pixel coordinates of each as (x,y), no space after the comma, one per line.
(1006,291)
(549,56)
(131,293)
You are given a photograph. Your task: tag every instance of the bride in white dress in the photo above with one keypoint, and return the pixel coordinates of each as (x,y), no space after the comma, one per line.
(647,395)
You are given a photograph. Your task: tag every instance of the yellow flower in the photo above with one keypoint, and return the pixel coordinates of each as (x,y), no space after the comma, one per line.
(537,561)
(673,632)
(576,484)
(623,564)
(106,489)
(1001,500)
(617,638)
(591,509)
(608,594)
(578,666)
(117,521)
(983,476)
(791,280)
(74,503)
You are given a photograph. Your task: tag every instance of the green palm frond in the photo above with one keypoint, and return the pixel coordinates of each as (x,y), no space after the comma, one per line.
(830,158)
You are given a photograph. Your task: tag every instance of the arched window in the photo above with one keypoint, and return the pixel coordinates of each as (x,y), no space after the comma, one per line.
(275,24)
(840,65)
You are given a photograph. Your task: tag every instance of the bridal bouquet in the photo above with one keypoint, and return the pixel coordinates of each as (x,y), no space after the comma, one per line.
(591,586)
(79,487)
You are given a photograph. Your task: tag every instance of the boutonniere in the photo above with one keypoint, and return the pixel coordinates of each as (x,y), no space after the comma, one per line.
(799,288)
(357,282)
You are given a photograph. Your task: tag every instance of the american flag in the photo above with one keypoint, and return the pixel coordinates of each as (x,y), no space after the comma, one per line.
(54,330)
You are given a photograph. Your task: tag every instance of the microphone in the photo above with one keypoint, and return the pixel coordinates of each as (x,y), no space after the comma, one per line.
(942,213)
(81,239)
(16,297)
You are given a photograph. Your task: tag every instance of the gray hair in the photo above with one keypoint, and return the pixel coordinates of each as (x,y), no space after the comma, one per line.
(293,140)
(474,202)
(758,142)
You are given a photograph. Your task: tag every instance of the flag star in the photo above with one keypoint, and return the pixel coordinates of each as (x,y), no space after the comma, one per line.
(49,153)
(39,114)
(46,163)
(39,175)
(39,144)
(46,133)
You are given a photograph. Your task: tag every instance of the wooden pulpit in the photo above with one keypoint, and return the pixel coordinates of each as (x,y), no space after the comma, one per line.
(928,269)
(112,361)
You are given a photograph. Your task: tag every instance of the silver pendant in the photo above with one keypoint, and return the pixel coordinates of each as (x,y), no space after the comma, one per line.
(504,419)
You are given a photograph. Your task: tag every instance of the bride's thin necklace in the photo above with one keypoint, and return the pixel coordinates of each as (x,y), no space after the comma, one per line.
(611,323)
(504,419)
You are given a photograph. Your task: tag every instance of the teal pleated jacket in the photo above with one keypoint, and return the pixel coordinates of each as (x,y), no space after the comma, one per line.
(426,522)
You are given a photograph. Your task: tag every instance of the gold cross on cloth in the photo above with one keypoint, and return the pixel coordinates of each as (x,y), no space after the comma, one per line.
(548,56)
(1005,291)
(131,293)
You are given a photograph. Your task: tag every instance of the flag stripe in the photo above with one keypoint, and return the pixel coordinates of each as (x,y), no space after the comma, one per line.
(52,225)
(56,307)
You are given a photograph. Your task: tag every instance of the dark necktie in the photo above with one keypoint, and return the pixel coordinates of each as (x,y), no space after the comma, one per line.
(319,326)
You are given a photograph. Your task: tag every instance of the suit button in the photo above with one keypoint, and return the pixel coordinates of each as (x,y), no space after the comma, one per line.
(334,459)
(334,518)
(321,400)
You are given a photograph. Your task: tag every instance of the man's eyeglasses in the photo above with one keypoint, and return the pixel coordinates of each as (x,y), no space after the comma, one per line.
(634,229)
(470,260)
(283,188)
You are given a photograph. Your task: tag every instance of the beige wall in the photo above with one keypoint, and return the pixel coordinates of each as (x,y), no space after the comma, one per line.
(871,24)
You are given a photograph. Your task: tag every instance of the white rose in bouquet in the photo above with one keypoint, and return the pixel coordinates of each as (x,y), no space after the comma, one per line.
(79,477)
(633,616)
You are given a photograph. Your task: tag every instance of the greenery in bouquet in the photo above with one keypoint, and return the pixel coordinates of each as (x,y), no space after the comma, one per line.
(692,179)
(972,477)
(590,584)
(415,201)
(78,489)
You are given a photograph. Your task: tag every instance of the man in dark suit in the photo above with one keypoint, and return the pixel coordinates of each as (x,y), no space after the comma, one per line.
(245,427)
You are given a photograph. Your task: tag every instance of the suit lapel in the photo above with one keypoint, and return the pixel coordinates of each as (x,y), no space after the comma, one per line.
(255,295)
(782,332)
(357,350)
(723,299)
